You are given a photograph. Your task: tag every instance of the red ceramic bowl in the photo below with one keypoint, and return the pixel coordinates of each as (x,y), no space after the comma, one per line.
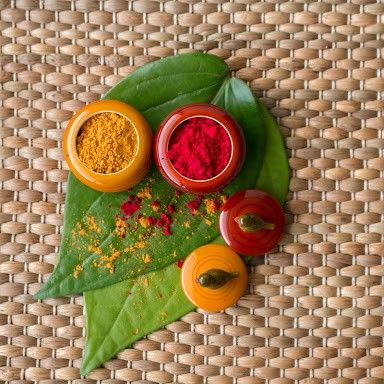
(257,241)
(174,120)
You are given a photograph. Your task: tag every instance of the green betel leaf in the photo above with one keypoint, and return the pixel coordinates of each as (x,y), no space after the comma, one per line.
(122,323)
(156,89)
(114,320)
(274,174)
(268,152)
(122,313)
(95,252)
(236,98)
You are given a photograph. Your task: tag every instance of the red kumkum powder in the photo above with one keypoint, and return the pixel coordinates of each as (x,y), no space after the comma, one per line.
(199,148)
(130,206)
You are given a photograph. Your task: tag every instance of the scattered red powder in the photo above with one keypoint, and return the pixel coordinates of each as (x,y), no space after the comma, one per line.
(171,208)
(151,220)
(193,205)
(180,263)
(165,218)
(130,206)
(162,218)
(167,230)
(164,222)
(199,148)
(155,205)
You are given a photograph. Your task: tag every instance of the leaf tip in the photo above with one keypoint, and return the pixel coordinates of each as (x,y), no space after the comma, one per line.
(39,294)
(43,293)
(88,364)
(84,370)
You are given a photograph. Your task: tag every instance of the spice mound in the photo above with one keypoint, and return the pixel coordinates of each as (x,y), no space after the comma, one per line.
(107,142)
(200,148)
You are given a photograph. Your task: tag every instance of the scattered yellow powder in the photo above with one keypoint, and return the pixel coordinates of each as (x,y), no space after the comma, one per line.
(92,225)
(121,227)
(77,270)
(107,142)
(145,282)
(146,258)
(95,249)
(210,205)
(208,222)
(108,261)
(186,224)
(223,198)
(145,193)
(139,245)
(144,222)
(110,267)
(135,247)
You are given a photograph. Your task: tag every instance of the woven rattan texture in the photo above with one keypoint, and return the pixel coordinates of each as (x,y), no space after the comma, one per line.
(314,313)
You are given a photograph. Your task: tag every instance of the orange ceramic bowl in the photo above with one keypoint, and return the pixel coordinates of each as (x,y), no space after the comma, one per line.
(172,122)
(129,176)
(213,256)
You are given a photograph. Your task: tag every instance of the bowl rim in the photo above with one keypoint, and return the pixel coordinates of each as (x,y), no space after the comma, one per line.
(226,130)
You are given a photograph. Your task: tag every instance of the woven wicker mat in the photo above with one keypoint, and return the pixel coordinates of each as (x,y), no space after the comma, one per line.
(314,313)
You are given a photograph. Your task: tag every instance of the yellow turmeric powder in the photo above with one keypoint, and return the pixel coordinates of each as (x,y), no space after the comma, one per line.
(107,142)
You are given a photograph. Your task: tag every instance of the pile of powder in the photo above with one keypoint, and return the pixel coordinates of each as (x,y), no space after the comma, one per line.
(106,143)
(200,148)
